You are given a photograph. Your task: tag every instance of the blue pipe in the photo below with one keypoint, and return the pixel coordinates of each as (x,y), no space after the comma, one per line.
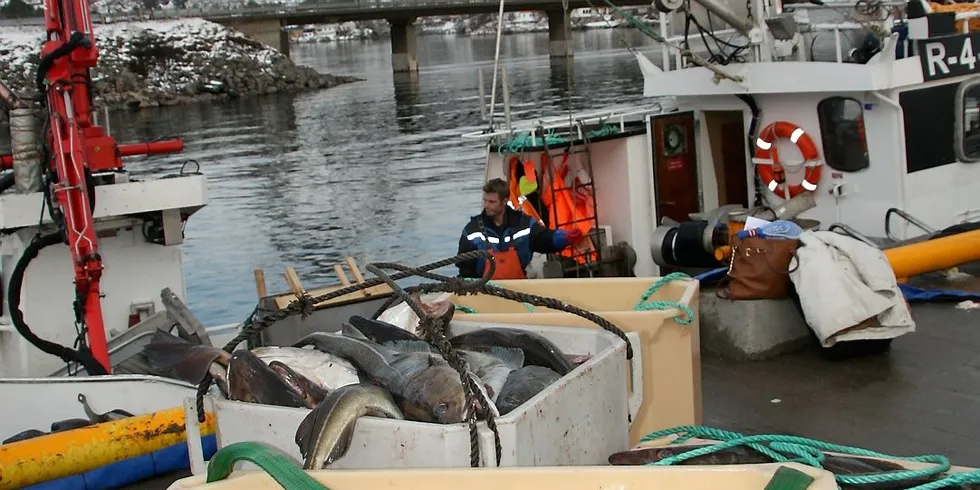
(133,470)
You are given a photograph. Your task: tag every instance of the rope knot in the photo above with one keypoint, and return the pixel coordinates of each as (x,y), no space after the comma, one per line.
(305,304)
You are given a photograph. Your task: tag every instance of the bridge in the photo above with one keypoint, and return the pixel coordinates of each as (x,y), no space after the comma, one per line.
(267,23)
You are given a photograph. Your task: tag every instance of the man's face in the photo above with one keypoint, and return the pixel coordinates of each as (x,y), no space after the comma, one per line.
(492,204)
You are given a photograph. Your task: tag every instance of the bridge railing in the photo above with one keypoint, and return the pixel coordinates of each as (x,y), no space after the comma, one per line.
(281,10)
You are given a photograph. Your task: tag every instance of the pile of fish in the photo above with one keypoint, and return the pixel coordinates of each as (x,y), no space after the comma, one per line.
(369,368)
(92,418)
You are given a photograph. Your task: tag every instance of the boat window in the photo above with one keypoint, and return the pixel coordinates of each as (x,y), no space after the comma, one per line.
(842,132)
(929,116)
(967,144)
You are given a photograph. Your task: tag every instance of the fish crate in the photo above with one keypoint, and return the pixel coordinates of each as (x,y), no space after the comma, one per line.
(326,317)
(580,419)
(671,351)
(729,477)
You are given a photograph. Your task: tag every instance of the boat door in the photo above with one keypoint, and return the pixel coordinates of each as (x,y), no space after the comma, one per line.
(675,171)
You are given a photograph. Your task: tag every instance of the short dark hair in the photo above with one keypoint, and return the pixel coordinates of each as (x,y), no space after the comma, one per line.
(498,186)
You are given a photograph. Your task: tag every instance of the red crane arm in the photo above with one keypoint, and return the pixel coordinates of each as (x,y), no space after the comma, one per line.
(77,147)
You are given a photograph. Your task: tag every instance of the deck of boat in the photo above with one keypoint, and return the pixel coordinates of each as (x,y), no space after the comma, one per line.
(919,398)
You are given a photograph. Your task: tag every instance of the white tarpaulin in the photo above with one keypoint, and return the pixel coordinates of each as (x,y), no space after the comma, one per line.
(843,282)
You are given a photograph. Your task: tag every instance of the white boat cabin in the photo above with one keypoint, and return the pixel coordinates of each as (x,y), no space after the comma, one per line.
(893,123)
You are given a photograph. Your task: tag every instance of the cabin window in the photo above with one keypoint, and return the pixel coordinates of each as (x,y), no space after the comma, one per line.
(842,132)
(967,143)
(929,115)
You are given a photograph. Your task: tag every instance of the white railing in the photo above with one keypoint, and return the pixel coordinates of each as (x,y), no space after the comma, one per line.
(619,116)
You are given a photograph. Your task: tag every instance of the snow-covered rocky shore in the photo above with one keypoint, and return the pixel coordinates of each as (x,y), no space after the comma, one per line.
(145,64)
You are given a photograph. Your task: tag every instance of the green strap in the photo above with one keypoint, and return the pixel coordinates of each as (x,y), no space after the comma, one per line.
(787,478)
(278,466)
(644,305)
(810,452)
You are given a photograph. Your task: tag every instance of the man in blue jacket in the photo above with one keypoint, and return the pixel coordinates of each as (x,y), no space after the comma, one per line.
(510,235)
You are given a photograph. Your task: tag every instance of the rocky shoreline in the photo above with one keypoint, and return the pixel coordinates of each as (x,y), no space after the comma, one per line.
(166,63)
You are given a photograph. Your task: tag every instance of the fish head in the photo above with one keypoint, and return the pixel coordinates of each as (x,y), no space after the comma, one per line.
(251,380)
(435,394)
(310,391)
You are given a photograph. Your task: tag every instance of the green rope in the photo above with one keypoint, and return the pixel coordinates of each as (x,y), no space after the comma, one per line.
(810,452)
(467,309)
(641,26)
(521,142)
(518,143)
(644,305)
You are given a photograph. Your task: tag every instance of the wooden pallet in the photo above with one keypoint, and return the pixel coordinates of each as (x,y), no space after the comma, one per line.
(296,286)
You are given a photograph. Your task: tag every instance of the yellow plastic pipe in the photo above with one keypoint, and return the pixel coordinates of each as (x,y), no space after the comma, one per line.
(934,255)
(76,451)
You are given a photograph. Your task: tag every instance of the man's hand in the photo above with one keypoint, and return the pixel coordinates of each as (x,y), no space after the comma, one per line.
(574,236)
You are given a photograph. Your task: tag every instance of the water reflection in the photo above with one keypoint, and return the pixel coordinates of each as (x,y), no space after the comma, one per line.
(562,79)
(407,102)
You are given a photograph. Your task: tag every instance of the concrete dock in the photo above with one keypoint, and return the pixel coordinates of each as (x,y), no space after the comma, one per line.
(919,398)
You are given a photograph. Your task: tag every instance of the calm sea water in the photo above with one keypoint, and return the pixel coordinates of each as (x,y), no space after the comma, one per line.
(375,169)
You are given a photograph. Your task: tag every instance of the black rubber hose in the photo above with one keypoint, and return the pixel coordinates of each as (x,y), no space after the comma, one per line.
(82,356)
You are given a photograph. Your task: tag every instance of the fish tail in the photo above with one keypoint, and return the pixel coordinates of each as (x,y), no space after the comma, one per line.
(175,356)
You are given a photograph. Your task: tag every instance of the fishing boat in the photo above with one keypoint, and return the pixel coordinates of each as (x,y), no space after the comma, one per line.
(873,143)
(705,142)
(848,142)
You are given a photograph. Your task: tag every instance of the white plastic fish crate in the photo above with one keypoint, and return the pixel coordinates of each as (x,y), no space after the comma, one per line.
(580,419)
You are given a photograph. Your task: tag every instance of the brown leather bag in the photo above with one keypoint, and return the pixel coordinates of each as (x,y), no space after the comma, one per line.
(760,268)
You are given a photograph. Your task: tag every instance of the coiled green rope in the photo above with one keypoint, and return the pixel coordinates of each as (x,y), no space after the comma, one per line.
(643,305)
(523,141)
(810,452)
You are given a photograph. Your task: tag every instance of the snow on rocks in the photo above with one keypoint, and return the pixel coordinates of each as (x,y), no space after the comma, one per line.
(168,62)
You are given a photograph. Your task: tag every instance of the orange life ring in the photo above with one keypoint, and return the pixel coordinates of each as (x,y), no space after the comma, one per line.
(767,159)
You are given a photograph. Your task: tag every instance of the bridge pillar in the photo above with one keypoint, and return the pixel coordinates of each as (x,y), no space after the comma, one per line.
(559,34)
(268,32)
(403,46)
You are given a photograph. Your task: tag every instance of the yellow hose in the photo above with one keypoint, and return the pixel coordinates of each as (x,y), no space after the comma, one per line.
(934,255)
(76,451)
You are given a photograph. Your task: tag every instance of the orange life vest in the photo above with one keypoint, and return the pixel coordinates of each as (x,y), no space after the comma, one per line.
(572,209)
(508,265)
(518,201)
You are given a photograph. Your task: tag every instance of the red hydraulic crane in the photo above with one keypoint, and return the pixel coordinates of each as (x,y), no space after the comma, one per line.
(75,149)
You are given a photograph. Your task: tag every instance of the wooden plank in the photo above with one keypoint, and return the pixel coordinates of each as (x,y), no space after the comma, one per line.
(380,289)
(260,288)
(352,264)
(293,280)
(341,275)
(284,299)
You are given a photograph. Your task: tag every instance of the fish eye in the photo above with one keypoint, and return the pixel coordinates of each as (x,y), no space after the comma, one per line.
(440,409)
